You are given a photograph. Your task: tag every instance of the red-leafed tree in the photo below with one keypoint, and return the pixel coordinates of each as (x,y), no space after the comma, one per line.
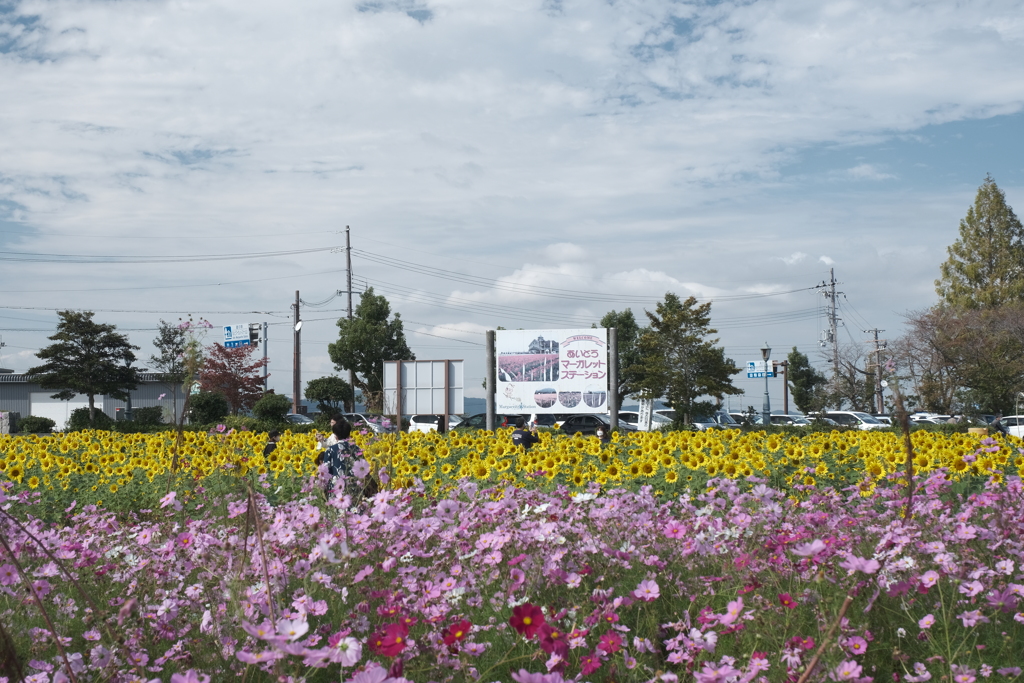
(235,374)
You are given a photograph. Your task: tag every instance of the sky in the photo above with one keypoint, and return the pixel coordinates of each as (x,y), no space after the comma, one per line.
(525,165)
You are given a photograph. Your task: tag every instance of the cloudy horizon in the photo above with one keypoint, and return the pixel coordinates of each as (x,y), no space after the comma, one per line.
(531,165)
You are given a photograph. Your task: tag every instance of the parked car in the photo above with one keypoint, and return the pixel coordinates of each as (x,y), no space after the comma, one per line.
(589,424)
(854,418)
(479,421)
(1014,425)
(545,419)
(378,424)
(884,419)
(785,420)
(632,419)
(428,423)
(298,419)
(716,420)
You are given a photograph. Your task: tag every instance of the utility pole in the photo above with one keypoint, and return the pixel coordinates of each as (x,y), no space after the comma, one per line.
(879,345)
(297,358)
(828,290)
(266,326)
(348,270)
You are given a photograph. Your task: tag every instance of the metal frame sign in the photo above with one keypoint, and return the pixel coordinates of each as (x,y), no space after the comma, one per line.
(552,371)
(426,387)
(756,368)
(236,335)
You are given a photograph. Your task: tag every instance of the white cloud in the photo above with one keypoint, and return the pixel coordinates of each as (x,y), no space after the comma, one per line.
(827,260)
(867,172)
(620,149)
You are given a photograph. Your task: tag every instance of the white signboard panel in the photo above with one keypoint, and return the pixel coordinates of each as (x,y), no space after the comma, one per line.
(236,335)
(424,384)
(757,368)
(42,405)
(552,371)
(646,413)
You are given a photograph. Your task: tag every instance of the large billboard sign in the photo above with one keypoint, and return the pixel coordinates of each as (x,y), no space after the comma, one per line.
(552,371)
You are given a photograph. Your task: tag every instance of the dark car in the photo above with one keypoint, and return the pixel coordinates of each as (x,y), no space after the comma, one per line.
(589,424)
(479,421)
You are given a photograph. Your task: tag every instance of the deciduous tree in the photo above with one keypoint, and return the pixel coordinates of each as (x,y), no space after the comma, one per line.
(169,363)
(234,374)
(681,361)
(985,268)
(88,358)
(371,337)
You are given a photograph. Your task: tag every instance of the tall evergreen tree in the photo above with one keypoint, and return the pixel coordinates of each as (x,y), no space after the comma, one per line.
(371,337)
(88,358)
(985,268)
(806,385)
(680,360)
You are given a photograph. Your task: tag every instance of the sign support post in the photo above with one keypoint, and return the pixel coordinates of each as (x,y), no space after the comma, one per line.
(491,379)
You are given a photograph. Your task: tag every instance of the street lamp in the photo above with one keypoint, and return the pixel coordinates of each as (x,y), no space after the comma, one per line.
(766,410)
(1016,403)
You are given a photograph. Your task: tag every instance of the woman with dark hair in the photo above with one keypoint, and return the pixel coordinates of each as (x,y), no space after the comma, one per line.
(340,453)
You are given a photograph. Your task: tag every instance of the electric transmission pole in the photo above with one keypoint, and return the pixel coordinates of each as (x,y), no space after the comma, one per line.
(348,269)
(879,345)
(828,290)
(297,359)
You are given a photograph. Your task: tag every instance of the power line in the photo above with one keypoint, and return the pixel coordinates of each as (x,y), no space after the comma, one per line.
(537,290)
(108,259)
(139,288)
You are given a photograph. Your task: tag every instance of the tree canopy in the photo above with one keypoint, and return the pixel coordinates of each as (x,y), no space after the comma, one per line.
(169,362)
(628,334)
(233,373)
(680,361)
(88,358)
(807,386)
(985,268)
(371,337)
(330,393)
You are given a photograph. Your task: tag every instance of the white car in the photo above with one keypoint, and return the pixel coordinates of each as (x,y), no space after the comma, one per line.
(428,423)
(1014,425)
(631,418)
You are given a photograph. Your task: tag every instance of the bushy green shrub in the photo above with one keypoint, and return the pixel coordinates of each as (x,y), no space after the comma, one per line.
(36,425)
(145,417)
(206,407)
(79,420)
(272,408)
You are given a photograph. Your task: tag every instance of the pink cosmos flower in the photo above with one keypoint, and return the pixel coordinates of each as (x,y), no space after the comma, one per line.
(787,601)
(590,663)
(610,643)
(674,529)
(846,671)
(526,619)
(190,676)
(648,591)
(927,621)
(858,564)
(930,578)
(8,575)
(524,676)
(856,645)
(809,549)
